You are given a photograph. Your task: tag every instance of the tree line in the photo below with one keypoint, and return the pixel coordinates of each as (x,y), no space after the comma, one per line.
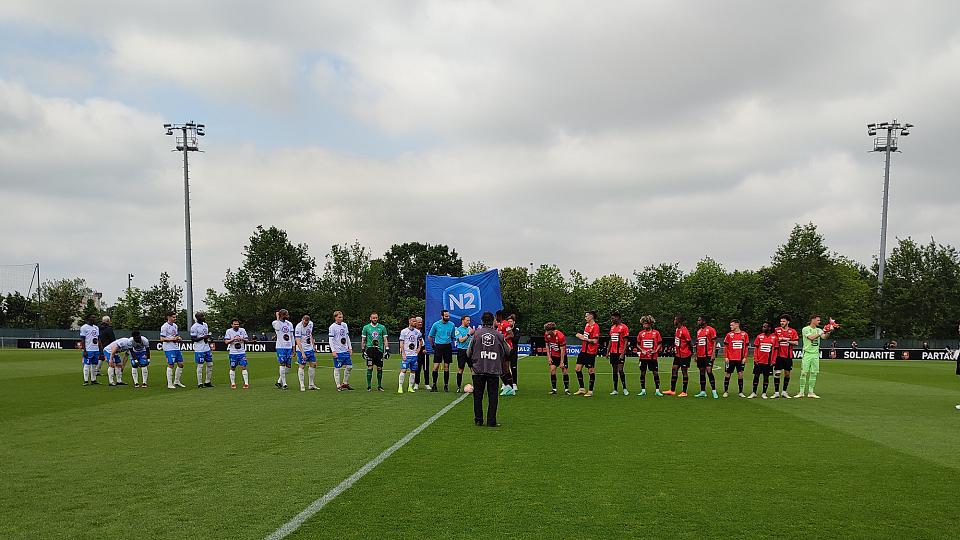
(920,297)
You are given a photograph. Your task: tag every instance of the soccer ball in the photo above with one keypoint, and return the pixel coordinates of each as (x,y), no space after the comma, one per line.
(468,388)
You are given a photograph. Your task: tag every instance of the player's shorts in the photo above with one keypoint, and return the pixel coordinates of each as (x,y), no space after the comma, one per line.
(202,357)
(139,359)
(310,356)
(810,364)
(556,360)
(443,352)
(90,358)
(763,369)
(735,365)
(704,362)
(374,357)
(464,360)
(586,359)
(409,362)
(173,357)
(616,359)
(785,364)
(285,356)
(681,362)
(342,359)
(652,365)
(238,360)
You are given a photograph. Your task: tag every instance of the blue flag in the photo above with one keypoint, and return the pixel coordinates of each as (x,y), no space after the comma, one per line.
(462,297)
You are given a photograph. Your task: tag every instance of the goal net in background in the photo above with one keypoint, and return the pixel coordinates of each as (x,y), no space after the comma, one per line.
(19,295)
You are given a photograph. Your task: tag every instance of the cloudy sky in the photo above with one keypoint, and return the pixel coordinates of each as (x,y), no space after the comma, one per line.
(602,136)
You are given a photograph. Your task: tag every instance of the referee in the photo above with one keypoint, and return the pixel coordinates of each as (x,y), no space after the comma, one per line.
(487,351)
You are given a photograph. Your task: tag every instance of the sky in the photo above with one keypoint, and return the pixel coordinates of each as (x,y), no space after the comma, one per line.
(598,136)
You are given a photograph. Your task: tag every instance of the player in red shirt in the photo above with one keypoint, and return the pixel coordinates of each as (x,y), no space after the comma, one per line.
(648,349)
(764,354)
(504,326)
(556,344)
(735,347)
(787,339)
(617,351)
(706,350)
(682,351)
(589,347)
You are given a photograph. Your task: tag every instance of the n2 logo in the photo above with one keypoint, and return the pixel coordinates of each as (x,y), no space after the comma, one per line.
(462,299)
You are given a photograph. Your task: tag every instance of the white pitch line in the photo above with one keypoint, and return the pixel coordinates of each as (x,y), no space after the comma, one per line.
(318,504)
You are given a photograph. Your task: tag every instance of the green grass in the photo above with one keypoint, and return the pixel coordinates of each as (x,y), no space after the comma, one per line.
(874,458)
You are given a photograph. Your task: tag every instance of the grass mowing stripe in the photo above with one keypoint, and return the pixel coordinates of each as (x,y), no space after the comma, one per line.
(318,504)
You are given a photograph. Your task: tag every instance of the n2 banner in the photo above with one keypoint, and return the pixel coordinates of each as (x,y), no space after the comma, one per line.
(462,297)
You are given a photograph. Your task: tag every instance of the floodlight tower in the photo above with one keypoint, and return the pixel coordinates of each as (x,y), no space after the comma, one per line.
(886,144)
(187,142)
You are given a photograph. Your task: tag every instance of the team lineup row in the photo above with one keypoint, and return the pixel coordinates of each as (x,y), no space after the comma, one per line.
(772,353)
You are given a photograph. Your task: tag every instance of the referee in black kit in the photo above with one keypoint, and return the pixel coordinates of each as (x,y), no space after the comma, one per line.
(488,350)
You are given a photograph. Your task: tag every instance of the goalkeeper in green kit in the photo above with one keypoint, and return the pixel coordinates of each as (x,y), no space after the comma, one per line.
(810,363)
(375,347)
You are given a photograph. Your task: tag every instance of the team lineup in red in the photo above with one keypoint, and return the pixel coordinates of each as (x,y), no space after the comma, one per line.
(773,356)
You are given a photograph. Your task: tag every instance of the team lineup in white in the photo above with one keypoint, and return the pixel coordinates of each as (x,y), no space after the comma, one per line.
(773,354)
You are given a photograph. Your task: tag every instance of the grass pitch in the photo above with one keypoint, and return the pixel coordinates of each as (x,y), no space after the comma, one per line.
(876,457)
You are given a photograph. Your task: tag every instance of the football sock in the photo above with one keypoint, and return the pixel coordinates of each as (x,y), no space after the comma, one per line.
(766,382)
(656,379)
(346,374)
(786,382)
(233,377)
(209,377)
(199,373)
(300,376)
(133,373)
(623,379)
(119,373)
(643,379)
(616,379)
(435,375)
(813,381)
(686,380)
(446,379)
(756,381)
(776,384)
(740,383)
(143,371)
(553,381)
(593,378)
(460,380)
(703,381)
(580,378)
(110,374)
(401,379)
(514,374)
(369,377)
(566,381)
(673,381)
(802,377)
(177,374)
(311,375)
(726,384)
(713,381)
(336,376)
(86,373)
(379,378)
(169,376)
(246,377)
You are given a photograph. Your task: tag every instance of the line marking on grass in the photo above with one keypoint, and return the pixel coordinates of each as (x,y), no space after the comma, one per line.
(308,512)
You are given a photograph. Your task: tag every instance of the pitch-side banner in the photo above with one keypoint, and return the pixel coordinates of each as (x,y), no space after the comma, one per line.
(53,343)
(461,296)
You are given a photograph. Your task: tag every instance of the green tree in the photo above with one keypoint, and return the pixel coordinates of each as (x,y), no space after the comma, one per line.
(20,311)
(63,302)
(160,299)
(90,310)
(611,293)
(921,291)
(477,267)
(548,292)
(514,289)
(127,313)
(659,291)
(407,266)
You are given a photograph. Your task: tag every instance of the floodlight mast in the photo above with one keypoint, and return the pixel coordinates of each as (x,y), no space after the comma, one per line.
(887,145)
(187,142)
